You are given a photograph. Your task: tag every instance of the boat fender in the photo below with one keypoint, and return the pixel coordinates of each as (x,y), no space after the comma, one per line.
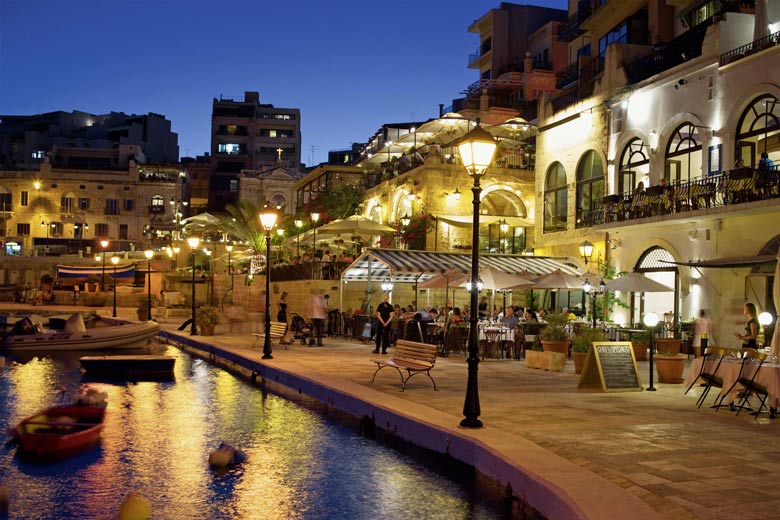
(226,455)
(135,507)
(4,500)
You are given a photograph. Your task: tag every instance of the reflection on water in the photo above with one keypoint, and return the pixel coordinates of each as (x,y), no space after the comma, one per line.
(158,436)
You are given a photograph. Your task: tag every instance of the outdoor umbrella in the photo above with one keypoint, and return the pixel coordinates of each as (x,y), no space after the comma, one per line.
(636,282)
(496,280)
(776,296)
(202,219)
(442,281)
(355,225)
(558,280)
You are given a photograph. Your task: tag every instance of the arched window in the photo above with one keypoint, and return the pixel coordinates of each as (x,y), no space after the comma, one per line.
(278,201)
(683,154)
(555,199)
(158,204)
(657,264)
(634,164)
(758,123)
(590,188)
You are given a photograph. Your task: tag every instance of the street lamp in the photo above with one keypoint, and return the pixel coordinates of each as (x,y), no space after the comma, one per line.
(387,286)
(280,234)
(314,218)
(586,251)
(103,245)
(268,220)
(114,260)
(229,248)
(651,320)
(148,254)
(47,225)
(476,151)
(503,227)
(299,225)
(193,243)
(591,290)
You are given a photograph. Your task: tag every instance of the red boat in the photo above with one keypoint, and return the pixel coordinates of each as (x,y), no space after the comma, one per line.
(60,431)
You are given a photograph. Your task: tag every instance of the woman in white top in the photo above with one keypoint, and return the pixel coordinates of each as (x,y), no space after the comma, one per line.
(701,328)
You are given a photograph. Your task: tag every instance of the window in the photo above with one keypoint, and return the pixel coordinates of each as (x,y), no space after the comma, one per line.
(634,164)
(112,208)
(83,203)
(555,199)
(25,198)
(683,154)
(56,229)
(78,230)
(129,205)
(710,87)
(590,188)
(5,202)
(617,118)
(230,148)
(67,204)
(23,230)
(101,230)
(38,154)
(233,185)
(759,123)
(122,231)
(158,205)
(617,35)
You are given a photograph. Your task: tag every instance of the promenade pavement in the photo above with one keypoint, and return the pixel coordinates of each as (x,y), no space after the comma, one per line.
(617,455)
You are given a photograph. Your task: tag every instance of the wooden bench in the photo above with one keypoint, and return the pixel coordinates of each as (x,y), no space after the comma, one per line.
(277,332)
(415,358)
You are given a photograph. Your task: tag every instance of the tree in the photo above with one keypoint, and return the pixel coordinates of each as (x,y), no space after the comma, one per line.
(243,224)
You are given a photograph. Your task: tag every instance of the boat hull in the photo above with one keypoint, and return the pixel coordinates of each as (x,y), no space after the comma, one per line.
(140,367)
(60,431)
(124,336)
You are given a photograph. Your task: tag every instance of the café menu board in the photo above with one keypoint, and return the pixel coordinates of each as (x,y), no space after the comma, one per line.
(610,366)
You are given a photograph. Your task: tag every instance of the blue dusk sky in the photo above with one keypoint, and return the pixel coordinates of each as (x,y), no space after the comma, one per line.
(348,65)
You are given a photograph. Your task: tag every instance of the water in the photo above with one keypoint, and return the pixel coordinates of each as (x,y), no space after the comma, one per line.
(158,436)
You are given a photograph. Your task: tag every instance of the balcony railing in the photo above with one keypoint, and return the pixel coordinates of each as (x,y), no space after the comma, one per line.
(317,270)
(751,48)
(687,46)
(726,189)
(481,51)
(568,74)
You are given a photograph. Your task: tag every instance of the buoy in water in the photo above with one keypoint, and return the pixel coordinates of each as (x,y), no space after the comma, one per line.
(226,455)
(135,507)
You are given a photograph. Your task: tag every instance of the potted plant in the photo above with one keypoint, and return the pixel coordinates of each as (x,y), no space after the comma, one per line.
(91,283)
(555,338)
(670,366)
(581,345)
(639,343)
(143,309)
(670,345)
(207,318)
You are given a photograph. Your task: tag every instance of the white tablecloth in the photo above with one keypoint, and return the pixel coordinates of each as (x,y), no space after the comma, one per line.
(768,376)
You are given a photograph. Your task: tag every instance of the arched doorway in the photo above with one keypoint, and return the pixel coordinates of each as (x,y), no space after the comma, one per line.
(502,236)
(759,284)
(758,131)
(654,263)
(634,165)
(683,154)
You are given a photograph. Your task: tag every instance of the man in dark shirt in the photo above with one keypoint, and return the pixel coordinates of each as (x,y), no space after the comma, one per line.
(384,316)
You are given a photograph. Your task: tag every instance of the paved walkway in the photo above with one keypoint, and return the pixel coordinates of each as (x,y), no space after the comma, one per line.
(603,451)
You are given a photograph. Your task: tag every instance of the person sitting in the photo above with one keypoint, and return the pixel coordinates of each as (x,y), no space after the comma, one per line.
(765,164)
(509,319)
(529,316)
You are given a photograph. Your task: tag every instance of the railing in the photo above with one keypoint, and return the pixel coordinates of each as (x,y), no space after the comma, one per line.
(316,270)
(751,48)
(590,217)
(687,46)
(728,188)
(567,75)
(481,51)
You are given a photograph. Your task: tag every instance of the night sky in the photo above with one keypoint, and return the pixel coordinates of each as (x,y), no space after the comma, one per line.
(349,65)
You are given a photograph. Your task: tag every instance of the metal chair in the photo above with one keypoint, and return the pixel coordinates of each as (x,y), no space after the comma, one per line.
(492,343)
(751,385)
(710,377)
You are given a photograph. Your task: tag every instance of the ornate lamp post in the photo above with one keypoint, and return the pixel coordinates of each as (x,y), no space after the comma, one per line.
(314,218)
(591,290)
(114,260)
(103,245)
(299,225)
(268,220)
(193,243)
(229,248)
(149,254)
(651,320)
(476,150)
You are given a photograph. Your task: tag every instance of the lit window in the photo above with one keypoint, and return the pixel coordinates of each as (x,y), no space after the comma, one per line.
(38,154)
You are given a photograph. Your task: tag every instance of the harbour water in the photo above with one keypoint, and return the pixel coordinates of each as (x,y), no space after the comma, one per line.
(301,464)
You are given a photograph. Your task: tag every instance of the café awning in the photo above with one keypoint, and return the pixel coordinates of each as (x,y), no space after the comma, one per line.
(417,266)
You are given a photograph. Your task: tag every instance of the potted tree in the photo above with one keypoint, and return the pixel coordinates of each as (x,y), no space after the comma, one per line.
(639,343)
(555,338)
(207,318)
(581,345)
(142,309)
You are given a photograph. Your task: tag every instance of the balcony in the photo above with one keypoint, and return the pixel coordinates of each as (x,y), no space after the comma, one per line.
(683,48)
(751,48)
(727,189)
(481,51)
(317,270)
(567,75)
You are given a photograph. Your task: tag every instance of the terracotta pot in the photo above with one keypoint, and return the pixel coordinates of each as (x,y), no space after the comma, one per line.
(670,368)
(556,346)
(579,361)
(207,330)
(143,314)
(668,346)
(640,350)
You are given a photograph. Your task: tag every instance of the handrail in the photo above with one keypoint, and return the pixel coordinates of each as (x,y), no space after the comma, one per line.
(766,42)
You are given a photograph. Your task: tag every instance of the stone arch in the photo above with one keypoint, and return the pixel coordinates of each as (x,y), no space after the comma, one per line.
(502,200)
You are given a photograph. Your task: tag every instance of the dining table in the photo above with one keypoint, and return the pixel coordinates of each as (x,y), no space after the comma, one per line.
(768,375)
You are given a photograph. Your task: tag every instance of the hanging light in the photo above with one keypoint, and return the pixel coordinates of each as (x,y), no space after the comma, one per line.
(480,285)
(586,286)
(387,286)
(406,220)
(504,225)
(602,287)
(586,251)
(456,194)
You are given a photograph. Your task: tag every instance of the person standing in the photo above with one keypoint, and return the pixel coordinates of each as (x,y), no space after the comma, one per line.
(281,314)
(701,331)
(318,309)
(384,316)
(750,337)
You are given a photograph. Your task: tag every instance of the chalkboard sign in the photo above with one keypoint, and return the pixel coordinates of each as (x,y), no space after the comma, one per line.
(610,366)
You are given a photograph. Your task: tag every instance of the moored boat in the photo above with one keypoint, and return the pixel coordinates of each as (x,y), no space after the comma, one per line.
(27,336)
(60,431)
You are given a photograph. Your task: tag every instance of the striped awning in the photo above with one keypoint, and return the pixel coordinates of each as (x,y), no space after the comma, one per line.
(416,266)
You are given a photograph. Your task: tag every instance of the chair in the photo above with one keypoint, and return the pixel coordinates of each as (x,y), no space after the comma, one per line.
(751,385)
(492,343)
(158,313)
(743,355)
(711,377)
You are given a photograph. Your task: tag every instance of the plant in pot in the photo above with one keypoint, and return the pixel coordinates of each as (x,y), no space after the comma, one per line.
(639,343)
(581,345)
(670,366)
(207,318)
(555,338)
(142,309)
(91,283)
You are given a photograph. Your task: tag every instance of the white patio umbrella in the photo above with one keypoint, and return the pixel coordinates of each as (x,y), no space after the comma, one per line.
(203,219)
(558,280)
(636,282)
(776,297)
(496,280)
(355,225)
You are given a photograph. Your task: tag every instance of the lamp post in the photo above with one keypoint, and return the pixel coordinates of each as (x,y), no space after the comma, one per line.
(148,254)
(651,320)
(48,226)
(591,290)
(114,260)
(229,248)
(193,243)
(314,218)
(503,227)
(268,220)
(476,151)
(210,292)
(280,234)
(405,221)
(299,225)
(104,245)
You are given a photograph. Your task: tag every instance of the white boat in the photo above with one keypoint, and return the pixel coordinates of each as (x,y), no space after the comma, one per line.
(28,336)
